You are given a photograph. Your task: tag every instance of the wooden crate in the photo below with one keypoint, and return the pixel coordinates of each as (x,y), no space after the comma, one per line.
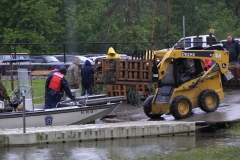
(126,71)
(121,90)
(142,91)
(98,79)
(134,70)
(105,65)
(116,90)
(232,83)
(101,67)
(235,81)
(237,70)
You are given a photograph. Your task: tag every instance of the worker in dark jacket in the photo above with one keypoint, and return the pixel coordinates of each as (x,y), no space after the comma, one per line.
(56,83)
(233,47)
(87,78)
(56,68)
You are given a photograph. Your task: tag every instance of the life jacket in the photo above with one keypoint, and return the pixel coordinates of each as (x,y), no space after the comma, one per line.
(55,82)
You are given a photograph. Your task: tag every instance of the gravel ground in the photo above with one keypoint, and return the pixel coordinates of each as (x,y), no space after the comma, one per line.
(127,112)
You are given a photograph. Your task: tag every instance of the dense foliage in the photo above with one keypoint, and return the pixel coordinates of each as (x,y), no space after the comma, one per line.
(59,26)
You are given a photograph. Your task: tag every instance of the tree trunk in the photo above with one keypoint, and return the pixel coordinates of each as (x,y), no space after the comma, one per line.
(153,24)
(168,19)
(128,17)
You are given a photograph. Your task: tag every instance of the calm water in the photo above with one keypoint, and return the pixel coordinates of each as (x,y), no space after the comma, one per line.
(117,149)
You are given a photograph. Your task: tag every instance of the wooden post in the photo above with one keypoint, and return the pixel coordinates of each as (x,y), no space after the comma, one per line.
(11,75)
(211,31)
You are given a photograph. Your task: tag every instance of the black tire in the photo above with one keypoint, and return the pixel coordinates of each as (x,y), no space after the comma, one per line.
(208,100)
(181,107)
(147,108)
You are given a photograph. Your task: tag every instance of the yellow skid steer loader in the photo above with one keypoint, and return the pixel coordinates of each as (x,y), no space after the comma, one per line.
(184,83)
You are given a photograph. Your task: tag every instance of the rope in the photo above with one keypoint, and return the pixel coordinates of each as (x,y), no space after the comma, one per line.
(38,97)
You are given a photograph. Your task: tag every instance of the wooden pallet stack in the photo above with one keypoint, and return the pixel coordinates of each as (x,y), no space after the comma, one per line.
(118,74)
(105,71)
(121,90)
(234,82)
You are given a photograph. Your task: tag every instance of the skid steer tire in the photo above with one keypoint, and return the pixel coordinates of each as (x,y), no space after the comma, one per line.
(147,108)
(208,100)
(181,107)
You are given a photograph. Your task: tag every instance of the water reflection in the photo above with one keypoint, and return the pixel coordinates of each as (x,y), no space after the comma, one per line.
(116,149)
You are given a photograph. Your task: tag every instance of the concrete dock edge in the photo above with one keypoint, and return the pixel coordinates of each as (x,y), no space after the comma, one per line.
(92,132)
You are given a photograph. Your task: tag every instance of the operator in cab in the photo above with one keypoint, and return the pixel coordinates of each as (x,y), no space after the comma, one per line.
(112,54)
(56,84)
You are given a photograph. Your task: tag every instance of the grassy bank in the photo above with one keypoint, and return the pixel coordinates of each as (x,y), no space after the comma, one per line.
(228,153)
(38,89)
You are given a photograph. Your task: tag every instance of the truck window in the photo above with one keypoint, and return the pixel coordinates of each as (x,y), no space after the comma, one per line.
(197,42)
(214,40)
(188,42)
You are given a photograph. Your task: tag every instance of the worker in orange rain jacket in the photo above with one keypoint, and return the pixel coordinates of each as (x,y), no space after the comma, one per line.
(56,83)
(56,69)
(112,54)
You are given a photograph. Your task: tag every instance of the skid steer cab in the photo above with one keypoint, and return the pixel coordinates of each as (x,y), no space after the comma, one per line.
(184,83)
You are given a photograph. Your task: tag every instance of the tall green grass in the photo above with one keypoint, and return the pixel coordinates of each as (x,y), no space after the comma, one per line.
(225,153)
(228,153)
(38,87)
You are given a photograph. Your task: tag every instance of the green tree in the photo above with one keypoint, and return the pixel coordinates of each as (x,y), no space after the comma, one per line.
(27,21)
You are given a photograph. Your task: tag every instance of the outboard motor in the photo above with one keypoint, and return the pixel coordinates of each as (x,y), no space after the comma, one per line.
(16,100)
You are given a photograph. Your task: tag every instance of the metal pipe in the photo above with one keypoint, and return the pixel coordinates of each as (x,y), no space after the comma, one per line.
(184,31)
(24,118)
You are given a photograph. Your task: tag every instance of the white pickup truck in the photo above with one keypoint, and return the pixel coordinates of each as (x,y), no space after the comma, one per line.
(224,40)
(195,41)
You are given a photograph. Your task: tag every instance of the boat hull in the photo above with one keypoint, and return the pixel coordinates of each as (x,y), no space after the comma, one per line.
(71,115)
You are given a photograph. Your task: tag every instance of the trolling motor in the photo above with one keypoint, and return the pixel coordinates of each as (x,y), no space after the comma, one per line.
(15,101)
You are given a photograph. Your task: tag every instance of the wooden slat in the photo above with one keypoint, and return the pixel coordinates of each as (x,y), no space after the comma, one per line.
(126,70)
(40,73)
(141,78)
